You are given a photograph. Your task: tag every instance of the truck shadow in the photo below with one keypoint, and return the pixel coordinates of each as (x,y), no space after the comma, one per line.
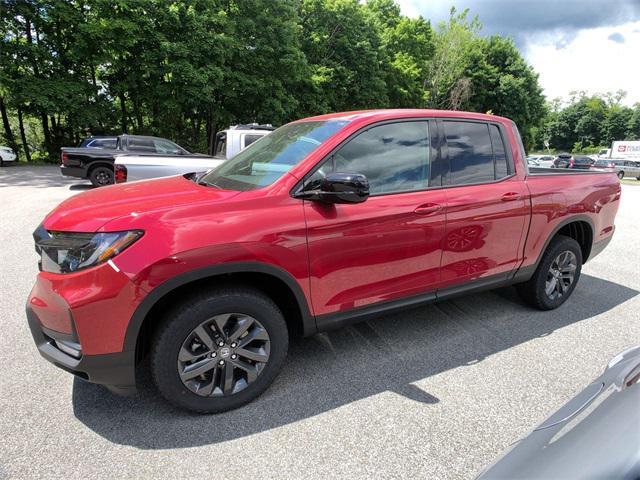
(330,370)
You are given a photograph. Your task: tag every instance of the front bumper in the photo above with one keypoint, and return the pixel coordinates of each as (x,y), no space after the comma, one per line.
(114,370)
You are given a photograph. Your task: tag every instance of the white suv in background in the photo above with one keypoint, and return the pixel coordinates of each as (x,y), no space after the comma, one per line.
(7,154)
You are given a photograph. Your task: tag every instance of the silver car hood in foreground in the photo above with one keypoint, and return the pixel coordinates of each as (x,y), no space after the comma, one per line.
(596,435)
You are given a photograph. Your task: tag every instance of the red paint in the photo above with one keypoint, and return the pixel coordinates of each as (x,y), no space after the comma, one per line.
(342,256)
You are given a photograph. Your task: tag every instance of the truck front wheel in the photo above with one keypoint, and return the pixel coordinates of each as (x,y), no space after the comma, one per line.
(556,276)
(219,350)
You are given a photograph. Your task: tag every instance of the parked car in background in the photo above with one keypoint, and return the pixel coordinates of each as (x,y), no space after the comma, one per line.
(626,168)
(99,142)
(595,435)
(323,222)
(130,167)
(532,162)
(543,161)
(604,166)
(566,160)
(234,139)
(7,154)
(96,163)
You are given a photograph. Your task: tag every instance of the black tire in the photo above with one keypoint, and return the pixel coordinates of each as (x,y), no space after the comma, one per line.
(637,178)
(620,175)
(182,322)
(101,176)
(534,291)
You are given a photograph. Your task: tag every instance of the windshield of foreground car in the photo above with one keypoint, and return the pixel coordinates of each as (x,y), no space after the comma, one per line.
(268,159)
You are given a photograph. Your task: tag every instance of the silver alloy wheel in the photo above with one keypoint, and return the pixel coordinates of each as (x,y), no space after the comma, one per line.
(561,274)
(223,355)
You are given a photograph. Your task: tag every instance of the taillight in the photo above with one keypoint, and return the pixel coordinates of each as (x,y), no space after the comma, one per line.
(120,173)
(64,157)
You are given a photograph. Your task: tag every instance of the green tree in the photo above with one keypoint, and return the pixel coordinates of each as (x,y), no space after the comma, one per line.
(342,47)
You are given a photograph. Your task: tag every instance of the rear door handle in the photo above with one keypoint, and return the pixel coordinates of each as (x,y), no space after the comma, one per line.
(510,196)
(428,209)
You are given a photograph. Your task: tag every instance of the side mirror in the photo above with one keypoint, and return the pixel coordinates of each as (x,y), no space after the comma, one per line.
(340,188)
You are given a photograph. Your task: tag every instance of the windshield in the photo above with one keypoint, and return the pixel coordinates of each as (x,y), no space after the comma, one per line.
(268,159)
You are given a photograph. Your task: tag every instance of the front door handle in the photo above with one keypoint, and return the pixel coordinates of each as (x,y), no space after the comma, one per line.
(428,209)
(510,196)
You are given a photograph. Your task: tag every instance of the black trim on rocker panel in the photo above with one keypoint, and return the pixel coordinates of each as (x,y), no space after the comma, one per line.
(332,321)
(133,330)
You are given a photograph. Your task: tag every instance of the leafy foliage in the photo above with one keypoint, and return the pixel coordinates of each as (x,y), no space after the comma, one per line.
(589,121)
(183,70)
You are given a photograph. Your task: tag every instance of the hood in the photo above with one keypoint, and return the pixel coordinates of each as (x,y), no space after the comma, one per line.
(89,211)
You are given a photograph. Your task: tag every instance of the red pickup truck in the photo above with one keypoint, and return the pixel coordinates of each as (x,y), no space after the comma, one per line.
(328,220)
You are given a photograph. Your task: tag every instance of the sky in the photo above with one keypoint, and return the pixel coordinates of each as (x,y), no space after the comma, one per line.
(574,45)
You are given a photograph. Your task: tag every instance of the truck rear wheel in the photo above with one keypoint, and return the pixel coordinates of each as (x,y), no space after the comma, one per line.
(556,276)
(101,176)
(219,350)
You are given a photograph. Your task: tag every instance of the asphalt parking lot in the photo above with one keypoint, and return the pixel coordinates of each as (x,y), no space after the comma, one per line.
(436,392)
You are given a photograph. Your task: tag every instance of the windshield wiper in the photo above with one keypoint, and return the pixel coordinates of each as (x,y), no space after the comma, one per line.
(198,178)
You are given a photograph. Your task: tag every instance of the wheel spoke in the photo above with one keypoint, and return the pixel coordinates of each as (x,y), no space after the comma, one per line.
(257,333)
(227,379)
(187,355)
(551,286)
(252,370)
(207,389)
(220,322)
(204,334)
(255,355)
(196,369)
(242,326)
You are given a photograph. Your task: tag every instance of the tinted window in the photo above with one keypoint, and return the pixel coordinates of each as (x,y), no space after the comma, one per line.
(137,144)
(166,147)
(393,157)
(249,139)
(103,143)
(499,153)
(470,152)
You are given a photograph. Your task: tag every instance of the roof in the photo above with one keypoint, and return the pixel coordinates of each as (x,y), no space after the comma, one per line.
(383,114)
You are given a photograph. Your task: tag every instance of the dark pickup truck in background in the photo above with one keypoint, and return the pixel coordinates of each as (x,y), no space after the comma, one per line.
(95,160)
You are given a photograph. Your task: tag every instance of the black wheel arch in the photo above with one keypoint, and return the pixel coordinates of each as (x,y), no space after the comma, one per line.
(231,272)
(578,227)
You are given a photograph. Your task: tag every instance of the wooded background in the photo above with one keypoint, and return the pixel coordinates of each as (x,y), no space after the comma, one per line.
(184,70)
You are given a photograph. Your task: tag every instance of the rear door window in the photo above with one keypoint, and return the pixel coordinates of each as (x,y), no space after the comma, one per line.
(477,152)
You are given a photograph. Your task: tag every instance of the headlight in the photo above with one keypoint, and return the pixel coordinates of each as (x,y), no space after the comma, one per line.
(65,252)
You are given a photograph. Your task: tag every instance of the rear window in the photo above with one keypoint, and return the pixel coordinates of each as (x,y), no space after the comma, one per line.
(476,152)
(249,139)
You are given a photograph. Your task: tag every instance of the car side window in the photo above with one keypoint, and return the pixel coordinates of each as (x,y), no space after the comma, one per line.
(166,147)
(141,145)
(471,153)
(394,158)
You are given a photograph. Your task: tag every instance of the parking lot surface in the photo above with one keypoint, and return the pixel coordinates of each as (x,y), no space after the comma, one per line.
(435,392)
